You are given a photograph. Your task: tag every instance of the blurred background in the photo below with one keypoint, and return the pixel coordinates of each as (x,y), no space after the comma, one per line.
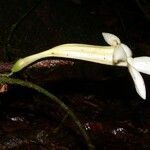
(102,97)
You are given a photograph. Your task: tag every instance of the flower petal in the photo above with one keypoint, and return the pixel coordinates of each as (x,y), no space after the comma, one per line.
(119,54)
(127,50)
(111,39)
(142,64)
(138,81)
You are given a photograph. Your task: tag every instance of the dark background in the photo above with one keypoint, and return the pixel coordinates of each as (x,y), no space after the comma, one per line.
(103,97)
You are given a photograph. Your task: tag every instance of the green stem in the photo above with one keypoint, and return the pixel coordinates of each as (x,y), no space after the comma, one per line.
(8,80)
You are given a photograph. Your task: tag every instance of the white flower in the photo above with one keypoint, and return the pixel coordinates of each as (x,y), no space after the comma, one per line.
(117,54)
(122,53)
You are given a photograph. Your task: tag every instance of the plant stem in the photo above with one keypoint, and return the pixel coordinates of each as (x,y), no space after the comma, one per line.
(8,80)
